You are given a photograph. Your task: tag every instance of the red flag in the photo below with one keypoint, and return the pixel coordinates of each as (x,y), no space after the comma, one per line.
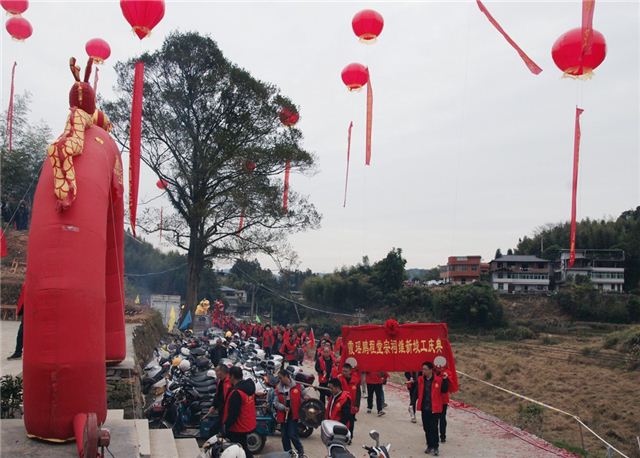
(3,245)
(135,138)
(574,188)
(285,197)
(346,180)
(533,67)
(95,81)
(369,120)
(10,109)
(312,339)
(241,224)
(588,7)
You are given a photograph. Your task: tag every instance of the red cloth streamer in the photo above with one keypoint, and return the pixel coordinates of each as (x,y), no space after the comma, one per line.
(285,197)
(95,82)
(3,245)
(533,67)
(161,225)
(369,120)
(10,109)
(574,188)
(135,138)
(346,180)
(241,224)
(588,7)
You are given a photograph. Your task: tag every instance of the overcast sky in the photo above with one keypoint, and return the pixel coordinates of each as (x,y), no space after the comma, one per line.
(470,150)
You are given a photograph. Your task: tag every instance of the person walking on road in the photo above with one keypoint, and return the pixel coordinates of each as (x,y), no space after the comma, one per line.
(375,380)
(239,418)
(287,405)
(350,381)
(445,401)
(412,387)
(327,368)
(430,389)
(339,404)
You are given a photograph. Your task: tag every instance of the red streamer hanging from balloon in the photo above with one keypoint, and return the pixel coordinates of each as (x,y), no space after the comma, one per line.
(533,67)
(369,120)
(3,244)
(588,7)
(10,109)
(346,180)
(574,188)
(161,222)
(285,197)
(241,224)
(95,82)
(135,138)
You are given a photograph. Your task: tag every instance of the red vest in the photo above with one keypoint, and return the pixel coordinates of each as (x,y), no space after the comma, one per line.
(267,339)
(246,421)
(225,386)
(436,395)
(351,388)
(452,387)
(323,377)
(288,349)
(295,400)
(332,412)
(338,346)
(376,378)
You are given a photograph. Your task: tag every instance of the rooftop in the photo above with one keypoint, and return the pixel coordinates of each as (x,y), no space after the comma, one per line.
(519,258)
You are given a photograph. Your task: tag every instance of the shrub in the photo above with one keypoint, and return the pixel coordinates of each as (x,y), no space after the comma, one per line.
(10,395)
(515,333)
(530,417)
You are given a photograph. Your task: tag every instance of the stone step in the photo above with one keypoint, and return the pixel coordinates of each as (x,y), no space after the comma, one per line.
(187,448)
(144,444)
(115,414)
(162,444)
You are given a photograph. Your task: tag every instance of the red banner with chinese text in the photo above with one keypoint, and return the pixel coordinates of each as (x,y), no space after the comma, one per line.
(402,348)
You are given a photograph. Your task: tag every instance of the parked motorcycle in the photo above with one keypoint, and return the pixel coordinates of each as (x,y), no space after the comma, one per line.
(336,436)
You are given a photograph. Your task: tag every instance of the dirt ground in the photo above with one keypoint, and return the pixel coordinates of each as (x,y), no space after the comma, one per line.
(559,373)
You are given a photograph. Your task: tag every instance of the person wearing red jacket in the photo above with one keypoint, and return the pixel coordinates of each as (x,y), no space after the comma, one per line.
(287,405)
(239,413)
(350,381)
(430,389)
(374,381)
(339,404)
(267,340)
(445,401)
(337,347)
(327,368)
(289,349)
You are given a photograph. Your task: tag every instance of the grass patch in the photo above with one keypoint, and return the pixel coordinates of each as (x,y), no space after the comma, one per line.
(572,448)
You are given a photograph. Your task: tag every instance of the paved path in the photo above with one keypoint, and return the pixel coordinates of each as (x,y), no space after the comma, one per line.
(8,333)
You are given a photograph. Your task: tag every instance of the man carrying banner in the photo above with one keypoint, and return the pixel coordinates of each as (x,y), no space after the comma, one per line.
(374,381)
(350,381)
(430,390)
(445,373)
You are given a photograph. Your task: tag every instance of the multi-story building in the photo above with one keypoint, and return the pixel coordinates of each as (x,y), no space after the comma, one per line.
(521,274)
(605,268)
(461,270)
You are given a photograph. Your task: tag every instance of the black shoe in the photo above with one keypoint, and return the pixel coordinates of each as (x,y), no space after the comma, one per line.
(436,452)
(14,356)
(443,439)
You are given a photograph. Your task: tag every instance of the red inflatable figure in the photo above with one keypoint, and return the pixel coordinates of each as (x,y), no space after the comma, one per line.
(74,318)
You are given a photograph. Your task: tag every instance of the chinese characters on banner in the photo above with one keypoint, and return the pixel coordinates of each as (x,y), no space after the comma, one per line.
(376,348)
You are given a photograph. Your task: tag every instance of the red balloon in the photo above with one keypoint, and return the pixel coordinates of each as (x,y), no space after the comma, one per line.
(19,28)
(355,76)
(15,6)
(250,166)
(143,15)
(367,25)
(288,117)
(567,50)
(162,184)
(98,50)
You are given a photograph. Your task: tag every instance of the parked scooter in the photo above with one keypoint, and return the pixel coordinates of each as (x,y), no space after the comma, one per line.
(217,447)
(336,436)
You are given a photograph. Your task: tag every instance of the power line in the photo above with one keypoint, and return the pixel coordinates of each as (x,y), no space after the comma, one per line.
(156,273)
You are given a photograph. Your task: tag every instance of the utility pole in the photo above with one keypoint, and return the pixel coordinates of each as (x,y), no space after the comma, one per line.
(271,316)
(359,314)
(253,300)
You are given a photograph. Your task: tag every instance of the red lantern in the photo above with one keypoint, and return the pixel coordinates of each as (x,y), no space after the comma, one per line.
(19,28)
(567,53)
(355,76)
(250,166)
(98,50)
(143,15)
(162,184)
(367,25)
(288,117)
(15,6)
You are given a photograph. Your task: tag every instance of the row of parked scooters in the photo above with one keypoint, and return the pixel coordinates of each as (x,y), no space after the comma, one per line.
(180,382)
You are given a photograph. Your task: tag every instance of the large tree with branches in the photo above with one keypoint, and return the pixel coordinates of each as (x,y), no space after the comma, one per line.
(206,122)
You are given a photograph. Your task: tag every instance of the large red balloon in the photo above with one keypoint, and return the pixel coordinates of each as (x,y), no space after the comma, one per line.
(143,15)
(567,51)
(19,28)
(98,49)
(354,76)
(15,6)
(367,25)
(288,117)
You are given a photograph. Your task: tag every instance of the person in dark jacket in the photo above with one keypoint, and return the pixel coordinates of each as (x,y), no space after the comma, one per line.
(287,404)
(430,389)
(17,354)
(412,387)
(217,352)
(327,368)
(239,417)
(339,404)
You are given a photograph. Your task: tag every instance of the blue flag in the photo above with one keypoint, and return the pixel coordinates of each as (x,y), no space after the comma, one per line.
(186,322)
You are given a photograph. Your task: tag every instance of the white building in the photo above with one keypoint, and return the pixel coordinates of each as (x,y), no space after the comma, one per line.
(605,268)
(520,274)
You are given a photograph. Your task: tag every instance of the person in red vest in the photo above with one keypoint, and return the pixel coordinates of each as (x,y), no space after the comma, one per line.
(268,340)
(375,380)
(289,349)
(239,414)
(327,368)
(445,400)
(337,347)
(287,405)
(430,389)
(339,404)
(350,381)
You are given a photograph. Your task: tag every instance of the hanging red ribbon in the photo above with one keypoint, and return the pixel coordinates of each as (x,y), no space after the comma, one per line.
(161,225)
(533,67)
(135,138)
(369,120)
(95,81)
(346,180)
(241,224)
(588,7)
(3,245)
(10,109)
(285,197)
(574,188)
